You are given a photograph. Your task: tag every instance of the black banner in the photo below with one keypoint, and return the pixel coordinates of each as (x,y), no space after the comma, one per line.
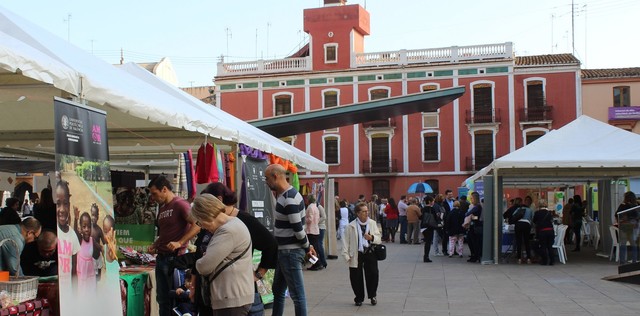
(80,131)
(260,202)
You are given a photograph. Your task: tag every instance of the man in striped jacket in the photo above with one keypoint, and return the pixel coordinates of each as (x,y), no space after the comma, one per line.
(293,244)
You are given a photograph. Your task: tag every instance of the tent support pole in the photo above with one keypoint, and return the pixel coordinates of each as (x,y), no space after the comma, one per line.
(497,201)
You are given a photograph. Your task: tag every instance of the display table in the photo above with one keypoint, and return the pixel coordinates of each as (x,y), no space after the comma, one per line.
(37,307)
(139,290)
(50,292)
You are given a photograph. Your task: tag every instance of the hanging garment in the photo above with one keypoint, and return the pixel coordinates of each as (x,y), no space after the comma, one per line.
(206,165)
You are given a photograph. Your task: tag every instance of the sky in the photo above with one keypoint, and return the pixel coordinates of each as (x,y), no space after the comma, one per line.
(194,34)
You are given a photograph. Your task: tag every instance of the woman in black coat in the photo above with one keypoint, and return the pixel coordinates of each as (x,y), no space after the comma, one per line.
(453,226)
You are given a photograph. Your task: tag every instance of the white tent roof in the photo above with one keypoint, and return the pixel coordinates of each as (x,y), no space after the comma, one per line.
(29,51)
(583,149)
(583,143)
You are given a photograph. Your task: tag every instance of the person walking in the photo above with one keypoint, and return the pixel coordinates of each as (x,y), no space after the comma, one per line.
(293,243)
(360,235)
(312,218)
(628,227)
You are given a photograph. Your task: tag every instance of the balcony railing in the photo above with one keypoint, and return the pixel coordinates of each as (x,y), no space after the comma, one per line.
(483,116)
(391,122)
(379,166)
(403,57)
(451,54)
(536,113)
(264,66)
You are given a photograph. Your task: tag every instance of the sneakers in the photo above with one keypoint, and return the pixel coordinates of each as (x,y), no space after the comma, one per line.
(439,254)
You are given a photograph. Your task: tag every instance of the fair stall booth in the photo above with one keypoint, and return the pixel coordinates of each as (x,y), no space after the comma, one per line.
(149,123)
(583,152)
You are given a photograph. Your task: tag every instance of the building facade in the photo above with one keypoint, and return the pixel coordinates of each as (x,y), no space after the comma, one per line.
(509,102)
(613,96)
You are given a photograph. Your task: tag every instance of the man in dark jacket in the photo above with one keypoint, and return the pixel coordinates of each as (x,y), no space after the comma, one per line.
(9,214)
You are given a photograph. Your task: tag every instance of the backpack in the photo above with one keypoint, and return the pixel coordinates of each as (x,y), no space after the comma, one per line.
(517,215)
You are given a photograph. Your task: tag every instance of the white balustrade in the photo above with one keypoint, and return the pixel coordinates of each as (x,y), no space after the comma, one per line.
(402,57)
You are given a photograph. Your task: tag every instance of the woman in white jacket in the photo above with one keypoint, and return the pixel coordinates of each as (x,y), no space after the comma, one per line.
(358,238)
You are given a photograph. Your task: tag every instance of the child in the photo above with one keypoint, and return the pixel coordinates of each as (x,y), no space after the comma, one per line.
(99,240)
(68,243)
(183,296)
(110,247)
(85,265)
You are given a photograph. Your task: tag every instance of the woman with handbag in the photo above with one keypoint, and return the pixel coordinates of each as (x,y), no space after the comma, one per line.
(360,236)
(261,238)
(227,264)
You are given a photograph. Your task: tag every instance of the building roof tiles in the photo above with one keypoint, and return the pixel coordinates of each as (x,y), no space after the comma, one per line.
(542,60)
(633,72)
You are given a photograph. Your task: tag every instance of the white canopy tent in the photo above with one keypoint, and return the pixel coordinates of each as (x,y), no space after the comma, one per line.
(148,120)
(583,151)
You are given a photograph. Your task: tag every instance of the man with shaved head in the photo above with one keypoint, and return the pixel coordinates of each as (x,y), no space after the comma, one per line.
(40,257)
(292,241)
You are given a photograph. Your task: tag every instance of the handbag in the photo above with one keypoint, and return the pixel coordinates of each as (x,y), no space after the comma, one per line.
(428,221)
(380,251)
(208,279)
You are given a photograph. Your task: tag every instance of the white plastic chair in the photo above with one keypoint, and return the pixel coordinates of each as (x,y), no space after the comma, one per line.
(558,244)
(614,243)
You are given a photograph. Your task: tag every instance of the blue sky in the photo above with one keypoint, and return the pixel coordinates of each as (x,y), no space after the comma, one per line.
(194,33)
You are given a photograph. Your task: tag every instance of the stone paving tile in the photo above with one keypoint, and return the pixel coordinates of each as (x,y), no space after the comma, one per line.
(451,286)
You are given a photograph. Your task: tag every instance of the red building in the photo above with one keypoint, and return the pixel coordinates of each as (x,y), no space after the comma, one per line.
(509,102)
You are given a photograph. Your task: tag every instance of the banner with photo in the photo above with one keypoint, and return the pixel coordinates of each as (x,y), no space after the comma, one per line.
(88,269)
(135,217)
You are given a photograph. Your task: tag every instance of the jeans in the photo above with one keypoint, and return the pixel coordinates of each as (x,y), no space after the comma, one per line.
(403,229)
(164,283)
(289,275)
(323,259)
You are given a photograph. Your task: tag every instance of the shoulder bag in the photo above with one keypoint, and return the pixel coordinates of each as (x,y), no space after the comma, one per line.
(208,279)
(380,251)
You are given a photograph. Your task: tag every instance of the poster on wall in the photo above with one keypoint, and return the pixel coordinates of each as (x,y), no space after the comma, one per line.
(260,197)
(85,217)
(135,215)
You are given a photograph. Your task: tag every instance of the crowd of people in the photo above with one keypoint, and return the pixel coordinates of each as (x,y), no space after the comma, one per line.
(219,278)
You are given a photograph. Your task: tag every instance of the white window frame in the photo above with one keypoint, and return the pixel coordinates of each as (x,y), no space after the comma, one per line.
(526,91)
(337,91)
(532,129)
(431,131)
(388,134)
(473,141)
(493,93)
(430,84)
(273,100)
(324,137)
(326,46)
(379,88)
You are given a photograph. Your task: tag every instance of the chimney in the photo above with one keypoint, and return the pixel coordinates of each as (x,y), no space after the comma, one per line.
(331,3)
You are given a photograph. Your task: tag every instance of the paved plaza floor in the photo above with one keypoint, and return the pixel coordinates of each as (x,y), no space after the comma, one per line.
(451,286)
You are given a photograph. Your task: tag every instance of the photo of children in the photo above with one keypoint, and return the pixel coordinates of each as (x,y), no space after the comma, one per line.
(85,258)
